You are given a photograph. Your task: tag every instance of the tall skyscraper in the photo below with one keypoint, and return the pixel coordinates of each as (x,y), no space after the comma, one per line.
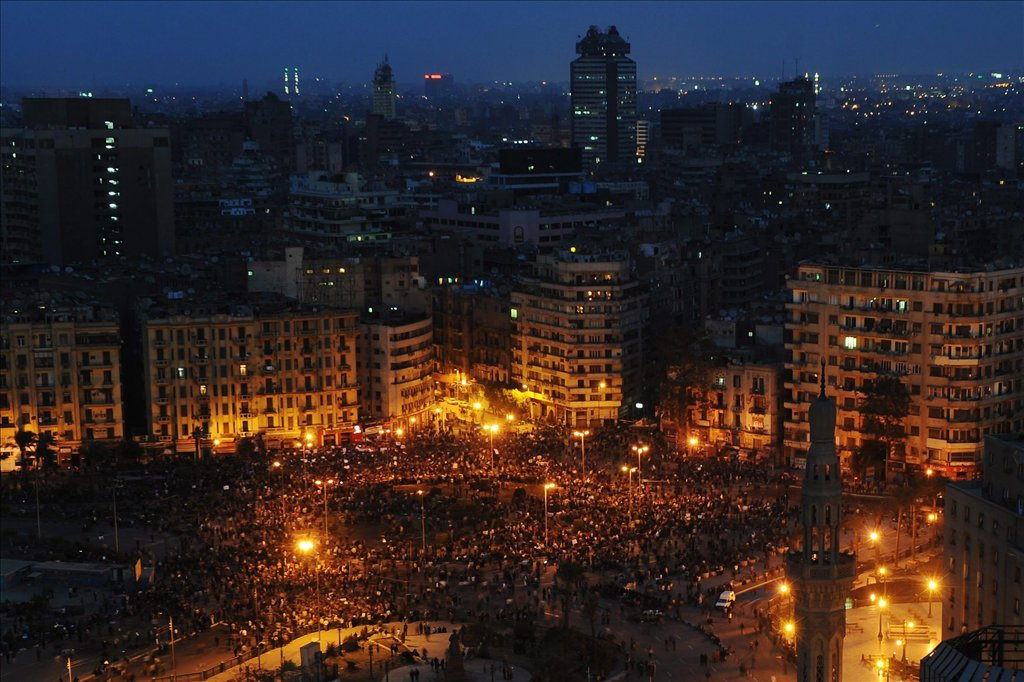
(603,83)
(80,181)
(384,91)
(821,574)
(793,118)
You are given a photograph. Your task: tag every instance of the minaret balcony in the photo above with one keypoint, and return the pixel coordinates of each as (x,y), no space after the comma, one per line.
(797,568)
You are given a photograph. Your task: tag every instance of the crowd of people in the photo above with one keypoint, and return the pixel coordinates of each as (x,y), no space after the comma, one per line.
(431,526)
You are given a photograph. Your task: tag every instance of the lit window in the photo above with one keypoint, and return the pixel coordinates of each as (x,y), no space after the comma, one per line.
(850,342)
(514,313)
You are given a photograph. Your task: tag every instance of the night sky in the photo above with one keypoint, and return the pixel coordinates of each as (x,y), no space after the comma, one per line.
(90,44)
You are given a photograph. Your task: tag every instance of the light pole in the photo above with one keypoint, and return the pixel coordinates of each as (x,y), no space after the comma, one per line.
(323,485)
(875,540)
(306,546)
(491,429)
(547,487)
(174,663)
(880,601)
(932,586)
(582,435)
(640,450)
(692,442)
(628,470)
(423,521)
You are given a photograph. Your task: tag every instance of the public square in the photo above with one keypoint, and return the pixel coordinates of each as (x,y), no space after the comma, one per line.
(555,571)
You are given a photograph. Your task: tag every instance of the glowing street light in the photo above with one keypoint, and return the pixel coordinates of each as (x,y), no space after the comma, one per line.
(547,487)
(789,628)
(582,435)
(881,607)
(323,485)
(306,546)
(491,429)
(932,586)
(640,450)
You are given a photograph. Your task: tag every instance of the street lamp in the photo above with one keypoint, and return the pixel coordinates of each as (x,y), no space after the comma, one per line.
(628,470)
(692,441)
(547,487)
(306,546)
(881,606)
(582,435)
(640,450)
(491,429)
(882,665)
(932,586)
(323,485)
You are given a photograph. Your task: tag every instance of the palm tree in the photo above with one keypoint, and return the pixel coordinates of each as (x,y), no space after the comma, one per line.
(44,450)
(24,439)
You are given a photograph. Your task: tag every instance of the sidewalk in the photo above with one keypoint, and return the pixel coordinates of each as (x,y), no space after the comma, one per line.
(424,646)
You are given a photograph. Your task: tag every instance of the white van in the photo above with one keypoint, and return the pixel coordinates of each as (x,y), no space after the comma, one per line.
(726,600)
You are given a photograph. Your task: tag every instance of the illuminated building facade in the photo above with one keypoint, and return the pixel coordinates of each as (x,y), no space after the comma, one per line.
(741,407)
(577,337)
(603,95)
(396,365)
(60,370)
(79,181)
(269,367)
(954,339)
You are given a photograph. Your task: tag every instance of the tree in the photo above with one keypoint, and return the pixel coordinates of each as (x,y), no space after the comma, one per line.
(567,579)
(24,440)
(883,407)
(45,456)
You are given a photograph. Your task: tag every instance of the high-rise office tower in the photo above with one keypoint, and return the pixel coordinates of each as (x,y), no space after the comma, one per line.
(80,181)
(793,118)
(603,83)
(384,91)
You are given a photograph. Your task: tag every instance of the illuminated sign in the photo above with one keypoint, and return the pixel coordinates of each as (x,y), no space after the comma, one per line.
(432,76)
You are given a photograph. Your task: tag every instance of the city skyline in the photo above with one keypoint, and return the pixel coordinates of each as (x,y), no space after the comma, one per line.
(214,43)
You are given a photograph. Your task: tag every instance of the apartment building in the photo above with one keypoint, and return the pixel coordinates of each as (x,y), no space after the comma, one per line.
(60,369)
(396,366)
(577,336)
(955,340)
(269,366)
(984,542)
(472,332)
(741,407)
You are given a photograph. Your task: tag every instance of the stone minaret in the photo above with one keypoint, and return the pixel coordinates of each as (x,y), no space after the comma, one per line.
(820,573)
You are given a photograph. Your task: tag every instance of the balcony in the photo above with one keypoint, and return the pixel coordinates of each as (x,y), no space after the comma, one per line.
(248,414)
(947,360)
(199,341)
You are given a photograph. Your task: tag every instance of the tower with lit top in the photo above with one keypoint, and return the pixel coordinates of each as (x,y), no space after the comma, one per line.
(820,573)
